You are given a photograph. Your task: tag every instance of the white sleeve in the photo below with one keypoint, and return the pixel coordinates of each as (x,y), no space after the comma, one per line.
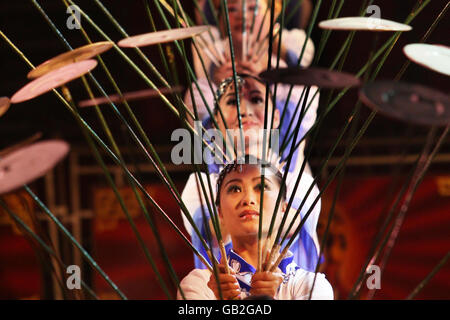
(311,113)
(302,283)
(208,96)
(193,199)
(312,104)
(195,286)
(293,41)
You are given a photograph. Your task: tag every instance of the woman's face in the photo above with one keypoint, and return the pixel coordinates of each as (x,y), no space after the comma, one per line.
(240,196)
(236,18)
(252,107)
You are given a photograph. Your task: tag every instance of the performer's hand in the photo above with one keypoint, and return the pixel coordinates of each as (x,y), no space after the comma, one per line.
(261,45)
(266,283)
(228,284)
(222,72)
(252,66)
(225,70)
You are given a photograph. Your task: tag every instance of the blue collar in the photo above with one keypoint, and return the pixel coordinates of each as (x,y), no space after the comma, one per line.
(244,271)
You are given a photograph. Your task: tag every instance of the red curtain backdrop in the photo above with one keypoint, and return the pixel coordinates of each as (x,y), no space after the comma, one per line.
(423,241)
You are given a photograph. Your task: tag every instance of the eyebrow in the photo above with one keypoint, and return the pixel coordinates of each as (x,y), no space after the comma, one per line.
(236,2)
(253,179)
(240,91)
(233,180)
(259,178)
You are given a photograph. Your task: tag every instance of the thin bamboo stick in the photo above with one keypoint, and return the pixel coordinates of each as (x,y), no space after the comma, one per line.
(54,27)
(427,279)
(233,65)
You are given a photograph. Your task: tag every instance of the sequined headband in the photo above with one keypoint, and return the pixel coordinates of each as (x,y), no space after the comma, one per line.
(237,165)
(240,81)
(225,83)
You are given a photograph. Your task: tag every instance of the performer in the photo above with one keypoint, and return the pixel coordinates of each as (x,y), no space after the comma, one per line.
(254,63)
(252,105)
(300,13)
(250,41)
(292,45)
(238,202)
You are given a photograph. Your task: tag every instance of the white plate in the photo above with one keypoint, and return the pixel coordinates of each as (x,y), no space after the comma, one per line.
(434,57)
(129,96)
(79,54)
(4,105)
(29,163)
(150,38)
(363,23)
(53,80)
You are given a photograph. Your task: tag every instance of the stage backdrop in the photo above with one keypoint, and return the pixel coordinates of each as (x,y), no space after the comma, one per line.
(423,241)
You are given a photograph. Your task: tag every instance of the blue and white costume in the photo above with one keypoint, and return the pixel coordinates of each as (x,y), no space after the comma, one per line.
(296,285)
(305,248)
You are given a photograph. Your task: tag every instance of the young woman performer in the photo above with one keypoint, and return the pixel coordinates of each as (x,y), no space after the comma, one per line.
(299,11)
(252,111)
(255,43)
(255,37)
(238,202)
(250,28)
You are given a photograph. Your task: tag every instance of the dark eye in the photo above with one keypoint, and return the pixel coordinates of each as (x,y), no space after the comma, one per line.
(257,100)
(231,102)
(259,187)
(233,188)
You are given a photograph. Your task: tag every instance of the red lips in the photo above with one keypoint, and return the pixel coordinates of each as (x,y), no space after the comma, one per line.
(248,214)
(249,124)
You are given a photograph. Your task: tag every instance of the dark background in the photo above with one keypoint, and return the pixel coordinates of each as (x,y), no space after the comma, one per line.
(27,29)
(24,25)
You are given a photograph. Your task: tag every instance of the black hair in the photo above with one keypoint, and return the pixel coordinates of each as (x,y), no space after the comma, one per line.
(229,81)
(247,160)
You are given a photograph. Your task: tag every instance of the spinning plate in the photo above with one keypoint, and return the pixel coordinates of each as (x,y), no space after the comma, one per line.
(434,57)
(363,23)
(135,95)
(408,102)
(83,53)
(147,39)
(29,163)
(4,105)
(53,80)
(322,78)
